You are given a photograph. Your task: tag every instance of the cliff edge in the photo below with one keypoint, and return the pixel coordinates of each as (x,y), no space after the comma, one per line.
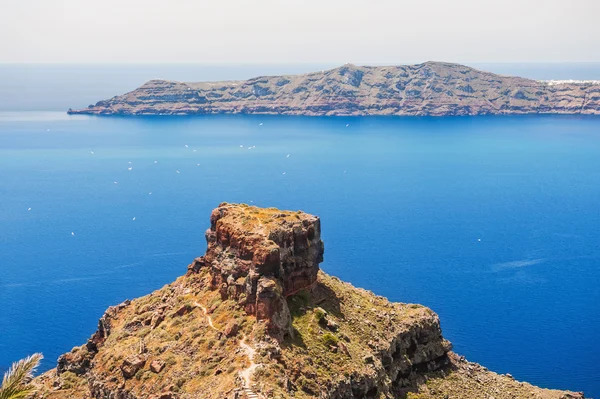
(256,318)
(431,88)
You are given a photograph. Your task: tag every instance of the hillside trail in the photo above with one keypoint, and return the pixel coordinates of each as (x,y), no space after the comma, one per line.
(246,373)
(210,322)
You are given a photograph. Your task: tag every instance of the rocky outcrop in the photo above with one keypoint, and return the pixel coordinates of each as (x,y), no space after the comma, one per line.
(255,316)
(386,345)
(132,365)
(259,257)
(431,88)
(79,360)
(104,326)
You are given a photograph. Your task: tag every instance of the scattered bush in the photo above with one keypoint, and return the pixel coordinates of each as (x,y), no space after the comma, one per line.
(171,360)
(180,382)
(307,385)
(143,332)
(329,339)
(320,314)
(69,380)
(138,375)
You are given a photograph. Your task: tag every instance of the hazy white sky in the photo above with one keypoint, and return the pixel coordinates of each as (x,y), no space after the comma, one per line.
(293,31)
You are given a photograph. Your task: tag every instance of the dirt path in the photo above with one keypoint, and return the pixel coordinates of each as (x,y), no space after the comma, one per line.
(210,322)
(246,374)
(250,352)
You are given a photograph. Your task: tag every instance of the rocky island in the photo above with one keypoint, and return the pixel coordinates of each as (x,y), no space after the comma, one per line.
(255,317)
(431,88)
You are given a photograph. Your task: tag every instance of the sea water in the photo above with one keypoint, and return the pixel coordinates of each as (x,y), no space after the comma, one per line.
(493,222)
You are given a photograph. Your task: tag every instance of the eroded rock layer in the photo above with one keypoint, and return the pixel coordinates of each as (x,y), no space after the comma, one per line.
(259,257)
(431,88)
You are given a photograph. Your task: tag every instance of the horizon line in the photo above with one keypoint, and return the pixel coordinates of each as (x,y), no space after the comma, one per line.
(243,63)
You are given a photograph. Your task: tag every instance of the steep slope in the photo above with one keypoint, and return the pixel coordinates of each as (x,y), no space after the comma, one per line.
(256,318)
(431,88)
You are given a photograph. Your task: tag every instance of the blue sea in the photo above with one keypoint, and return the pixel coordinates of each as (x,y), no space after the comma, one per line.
(493,222)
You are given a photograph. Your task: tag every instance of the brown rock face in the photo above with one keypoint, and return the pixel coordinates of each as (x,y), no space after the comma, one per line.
(78,361)
(261,256)
(104,326)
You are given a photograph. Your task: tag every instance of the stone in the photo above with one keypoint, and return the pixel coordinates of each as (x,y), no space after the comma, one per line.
(157,318)
(573,395)
(183,310)
(78,361)
(343,348)
(272,307)
(331,325)
(132,365)
(196,265)
(157,366)
(231,329)
(165,395)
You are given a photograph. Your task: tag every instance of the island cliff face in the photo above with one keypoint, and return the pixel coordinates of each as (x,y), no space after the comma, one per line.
(256,318)
(431,88)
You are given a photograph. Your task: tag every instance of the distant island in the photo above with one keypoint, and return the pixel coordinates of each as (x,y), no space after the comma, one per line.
(427,89)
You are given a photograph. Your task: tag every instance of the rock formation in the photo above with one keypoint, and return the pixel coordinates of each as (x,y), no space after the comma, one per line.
(273,256)
(255,317)
(431,88)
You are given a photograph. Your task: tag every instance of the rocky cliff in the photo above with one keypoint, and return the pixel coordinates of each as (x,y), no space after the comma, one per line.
(256,318)
(274,256)
(431,88)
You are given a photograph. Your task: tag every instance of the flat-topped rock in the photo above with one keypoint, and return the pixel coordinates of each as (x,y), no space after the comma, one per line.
(261,256)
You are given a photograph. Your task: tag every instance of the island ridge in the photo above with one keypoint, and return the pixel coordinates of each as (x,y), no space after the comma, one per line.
(428,89)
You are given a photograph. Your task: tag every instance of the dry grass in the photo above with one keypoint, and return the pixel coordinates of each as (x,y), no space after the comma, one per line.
(336,328)
(198,360)
(465,380)
(319,357)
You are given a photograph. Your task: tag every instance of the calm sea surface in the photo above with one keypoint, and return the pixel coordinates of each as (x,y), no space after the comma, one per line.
(493,222)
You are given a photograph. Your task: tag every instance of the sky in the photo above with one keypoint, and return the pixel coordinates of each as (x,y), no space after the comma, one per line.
(298,31)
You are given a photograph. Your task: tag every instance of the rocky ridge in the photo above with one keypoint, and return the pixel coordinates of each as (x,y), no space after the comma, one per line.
(431,88)
(255,317)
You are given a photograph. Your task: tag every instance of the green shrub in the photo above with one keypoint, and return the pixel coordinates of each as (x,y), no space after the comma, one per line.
(320,314)
(171,360)
(143,332)
(139,374)
(329,339)
(69,380)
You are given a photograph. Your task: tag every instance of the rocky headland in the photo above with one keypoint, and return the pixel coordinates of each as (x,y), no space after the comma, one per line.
(431,88)
(255,317)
